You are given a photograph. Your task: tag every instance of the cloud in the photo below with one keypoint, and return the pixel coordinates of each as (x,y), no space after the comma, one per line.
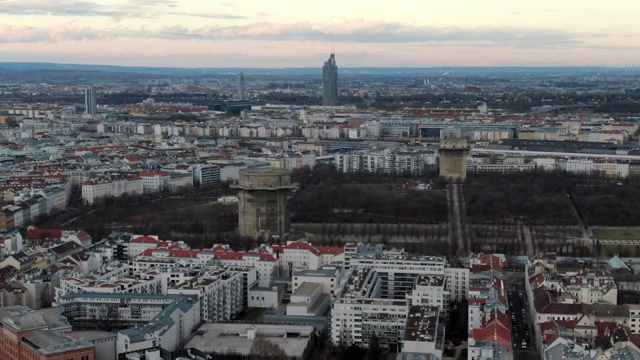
(132,8)
(362,31)
(29,34)
(71,8)
(219,16)
(262,15)
(338,31)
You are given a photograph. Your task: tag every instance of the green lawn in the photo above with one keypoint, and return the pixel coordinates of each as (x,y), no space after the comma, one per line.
(621,250)
(617,234)
(574,232)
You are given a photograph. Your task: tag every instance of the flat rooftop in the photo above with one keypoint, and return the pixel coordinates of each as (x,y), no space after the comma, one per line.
(220,338)
(306,289)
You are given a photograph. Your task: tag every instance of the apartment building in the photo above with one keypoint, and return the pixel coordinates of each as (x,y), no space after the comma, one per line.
(328,275)
(98,188)
(400,271)
(219,292)
(360,310)
(154,181)
(26,334)
(423,334)
(144,282)
(591,287)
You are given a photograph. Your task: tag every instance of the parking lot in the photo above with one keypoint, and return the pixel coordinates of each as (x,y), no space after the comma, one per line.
(521,327)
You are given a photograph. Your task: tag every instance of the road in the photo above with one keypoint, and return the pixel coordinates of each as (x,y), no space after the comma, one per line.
(522,329)
(524,236)
(455,218)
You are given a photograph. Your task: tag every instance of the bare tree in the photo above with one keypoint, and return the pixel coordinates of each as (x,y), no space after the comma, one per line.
(266,349)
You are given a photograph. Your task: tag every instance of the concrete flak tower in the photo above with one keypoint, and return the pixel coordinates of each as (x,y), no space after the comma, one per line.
(262,204)
(453,152)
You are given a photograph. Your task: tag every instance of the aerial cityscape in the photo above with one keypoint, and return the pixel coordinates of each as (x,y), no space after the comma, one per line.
(267,180)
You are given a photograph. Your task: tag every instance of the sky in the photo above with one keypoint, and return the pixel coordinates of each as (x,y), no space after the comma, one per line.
(302,33)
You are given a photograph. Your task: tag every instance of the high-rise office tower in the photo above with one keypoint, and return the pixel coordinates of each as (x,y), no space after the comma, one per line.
(90,104)
(330,82)
(241,86)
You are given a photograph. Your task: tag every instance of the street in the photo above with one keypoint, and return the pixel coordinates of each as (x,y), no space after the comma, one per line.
(522,330)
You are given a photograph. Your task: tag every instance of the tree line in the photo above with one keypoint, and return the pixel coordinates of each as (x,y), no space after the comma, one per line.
(327,195)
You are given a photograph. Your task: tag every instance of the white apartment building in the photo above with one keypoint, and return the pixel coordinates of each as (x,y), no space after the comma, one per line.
(144,283)
(547,164)
(328,275)
(385,162)
(300,255)
(591,288)
(10,242)
(347,162)
(134,309)
(219,291)
(579,166)
(308,300)
(400,271)
(360,309)
(154,181)
(98,188)
(430,291)
(634,318)
(265,264)
(424,333)
(140,243)
(168,330)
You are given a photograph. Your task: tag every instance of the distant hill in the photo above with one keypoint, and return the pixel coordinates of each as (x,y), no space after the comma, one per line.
(27,66)
(429,71)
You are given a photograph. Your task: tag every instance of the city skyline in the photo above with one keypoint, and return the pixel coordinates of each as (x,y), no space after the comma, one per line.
(285,33)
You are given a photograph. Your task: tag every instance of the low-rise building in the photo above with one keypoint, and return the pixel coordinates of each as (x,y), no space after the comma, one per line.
(297,341)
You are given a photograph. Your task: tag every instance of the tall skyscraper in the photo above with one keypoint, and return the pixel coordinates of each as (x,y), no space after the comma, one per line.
(241,86)
(90,104)
(330,82)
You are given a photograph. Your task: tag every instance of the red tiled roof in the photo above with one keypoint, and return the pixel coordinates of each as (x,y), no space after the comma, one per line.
(43,233)
(148,252)
(335,250)
(495,332)
(301,245)
(474,301)
(83,235)
(231,255)
(267,257)
(145,240)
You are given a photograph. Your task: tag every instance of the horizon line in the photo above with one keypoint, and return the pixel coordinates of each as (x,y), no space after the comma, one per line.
(319,67)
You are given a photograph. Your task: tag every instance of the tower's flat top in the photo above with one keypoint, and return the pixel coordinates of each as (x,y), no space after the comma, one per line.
(263,172)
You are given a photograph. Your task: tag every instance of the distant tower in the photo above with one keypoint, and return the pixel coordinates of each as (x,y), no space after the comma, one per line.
(262,201)
(241,95)
(453,151)
(90,104)
(330,82)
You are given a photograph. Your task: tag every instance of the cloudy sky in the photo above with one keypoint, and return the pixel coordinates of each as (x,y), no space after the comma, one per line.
(301,33)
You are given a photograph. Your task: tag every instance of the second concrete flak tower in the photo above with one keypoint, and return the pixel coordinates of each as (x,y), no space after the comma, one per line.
(262,204)
(453,152)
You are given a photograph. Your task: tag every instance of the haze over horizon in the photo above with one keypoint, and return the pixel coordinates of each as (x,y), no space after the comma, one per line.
(285,33)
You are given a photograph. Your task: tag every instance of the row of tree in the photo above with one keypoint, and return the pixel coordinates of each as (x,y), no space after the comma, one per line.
(326,195)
